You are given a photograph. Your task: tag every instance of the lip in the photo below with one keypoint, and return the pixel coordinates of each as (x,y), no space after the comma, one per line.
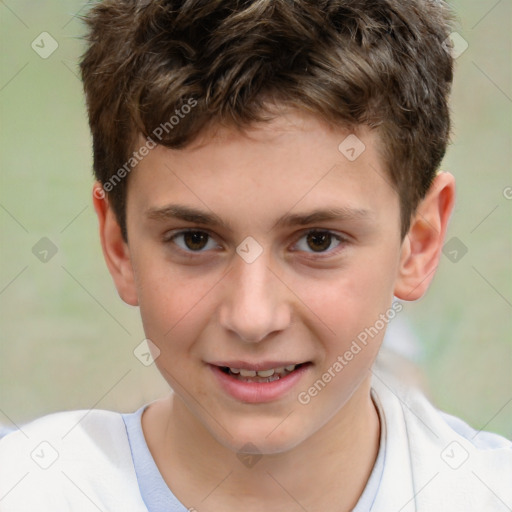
(258,392)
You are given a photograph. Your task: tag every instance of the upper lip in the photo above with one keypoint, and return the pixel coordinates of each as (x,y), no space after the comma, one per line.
(259,366)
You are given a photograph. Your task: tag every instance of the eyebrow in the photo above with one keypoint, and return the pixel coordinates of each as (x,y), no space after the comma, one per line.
(197,216)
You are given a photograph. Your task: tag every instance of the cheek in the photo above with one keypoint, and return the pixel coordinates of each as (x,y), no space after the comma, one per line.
(172,302)
(346,301)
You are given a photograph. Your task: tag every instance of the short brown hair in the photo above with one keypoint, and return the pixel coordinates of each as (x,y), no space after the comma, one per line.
(383,64)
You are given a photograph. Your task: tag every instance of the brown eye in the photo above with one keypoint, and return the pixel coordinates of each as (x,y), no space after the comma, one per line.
(319,240)
(191,241)
(195,240)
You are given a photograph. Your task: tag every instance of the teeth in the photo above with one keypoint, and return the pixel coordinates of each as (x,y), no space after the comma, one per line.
(263,373)
(247,373)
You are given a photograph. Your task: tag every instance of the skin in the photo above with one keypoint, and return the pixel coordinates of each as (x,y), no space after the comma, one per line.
(298,300)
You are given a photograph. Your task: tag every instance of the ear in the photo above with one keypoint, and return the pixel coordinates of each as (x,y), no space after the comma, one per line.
(115,250)
(421,248)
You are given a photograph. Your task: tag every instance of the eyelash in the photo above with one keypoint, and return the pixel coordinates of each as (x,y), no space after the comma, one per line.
(170,237)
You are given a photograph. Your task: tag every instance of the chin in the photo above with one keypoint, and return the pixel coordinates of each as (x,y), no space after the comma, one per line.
(265,438)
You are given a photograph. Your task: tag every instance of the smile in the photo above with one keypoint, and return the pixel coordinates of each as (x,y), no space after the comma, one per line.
(266,383)
(269,375)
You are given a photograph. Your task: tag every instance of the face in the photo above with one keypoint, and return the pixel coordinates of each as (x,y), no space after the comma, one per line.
(232,267)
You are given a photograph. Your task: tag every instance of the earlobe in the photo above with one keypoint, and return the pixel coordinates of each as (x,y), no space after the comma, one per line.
(115,250)
(421,248)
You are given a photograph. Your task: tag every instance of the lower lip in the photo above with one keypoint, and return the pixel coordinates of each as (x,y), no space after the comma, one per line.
(258,392)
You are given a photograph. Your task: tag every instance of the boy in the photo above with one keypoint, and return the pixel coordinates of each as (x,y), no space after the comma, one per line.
(266,184)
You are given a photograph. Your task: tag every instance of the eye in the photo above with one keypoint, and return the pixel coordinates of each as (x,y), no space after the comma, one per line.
(319,241)
(193,240)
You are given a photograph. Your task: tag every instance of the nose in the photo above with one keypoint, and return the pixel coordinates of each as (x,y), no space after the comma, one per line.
(255,302)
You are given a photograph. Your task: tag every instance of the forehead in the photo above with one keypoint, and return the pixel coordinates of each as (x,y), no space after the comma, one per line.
(295,163)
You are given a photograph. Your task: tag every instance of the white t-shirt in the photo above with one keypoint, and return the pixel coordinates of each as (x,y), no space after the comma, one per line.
(82,460)
(159,498)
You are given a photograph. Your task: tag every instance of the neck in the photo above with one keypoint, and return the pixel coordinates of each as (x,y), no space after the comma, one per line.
(204,474)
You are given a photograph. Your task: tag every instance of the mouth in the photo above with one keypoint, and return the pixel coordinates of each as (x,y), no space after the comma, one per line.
(261,376)
(258,383)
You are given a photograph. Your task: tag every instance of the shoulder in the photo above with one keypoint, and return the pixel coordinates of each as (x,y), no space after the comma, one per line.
(437,425)
(80,458)
(455,464)
(57,423)
(70,431)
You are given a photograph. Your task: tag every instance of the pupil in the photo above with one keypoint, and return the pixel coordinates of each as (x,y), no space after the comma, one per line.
(320,238)
(195,237)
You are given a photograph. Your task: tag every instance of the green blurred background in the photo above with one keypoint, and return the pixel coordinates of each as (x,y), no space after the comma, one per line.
(67,340)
